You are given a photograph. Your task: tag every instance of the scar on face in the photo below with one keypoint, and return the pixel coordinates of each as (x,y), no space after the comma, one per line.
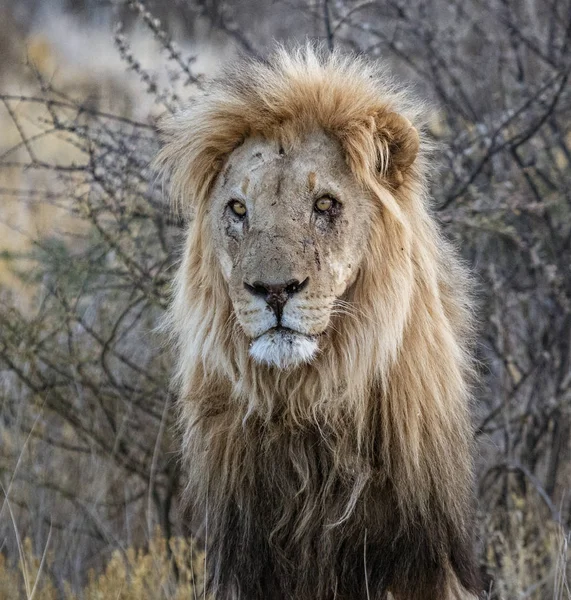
(245,185)
(311,180)
(226,174)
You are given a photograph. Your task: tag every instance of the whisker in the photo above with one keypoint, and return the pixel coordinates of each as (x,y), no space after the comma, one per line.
(357,311)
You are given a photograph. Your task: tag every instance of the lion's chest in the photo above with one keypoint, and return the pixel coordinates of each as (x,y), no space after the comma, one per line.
(287,500)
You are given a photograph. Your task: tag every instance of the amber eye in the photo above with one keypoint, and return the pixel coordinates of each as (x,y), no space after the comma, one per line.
(238,208)
(324,204)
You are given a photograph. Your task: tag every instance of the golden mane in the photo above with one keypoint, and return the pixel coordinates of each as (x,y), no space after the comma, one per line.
(389,392)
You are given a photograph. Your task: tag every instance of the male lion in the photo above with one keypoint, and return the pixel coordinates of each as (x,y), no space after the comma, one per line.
(322,328)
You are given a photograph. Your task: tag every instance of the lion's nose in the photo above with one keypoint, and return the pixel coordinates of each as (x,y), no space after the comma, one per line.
(276,294)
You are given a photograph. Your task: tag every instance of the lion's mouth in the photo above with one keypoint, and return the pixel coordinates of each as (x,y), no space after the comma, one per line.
(284,348)
(283,331)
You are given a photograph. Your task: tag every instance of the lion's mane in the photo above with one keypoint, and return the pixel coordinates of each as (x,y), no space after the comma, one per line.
(351,475)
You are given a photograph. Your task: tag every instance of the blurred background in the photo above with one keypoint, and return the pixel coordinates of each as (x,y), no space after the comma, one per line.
(89,478)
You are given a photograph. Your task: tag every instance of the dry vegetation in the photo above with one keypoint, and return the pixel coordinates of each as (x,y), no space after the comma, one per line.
(170,570)
(88,468)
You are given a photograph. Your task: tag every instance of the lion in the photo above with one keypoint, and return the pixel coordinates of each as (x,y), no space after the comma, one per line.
(323,329)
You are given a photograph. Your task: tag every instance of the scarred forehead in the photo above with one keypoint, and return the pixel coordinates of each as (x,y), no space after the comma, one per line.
(259,165)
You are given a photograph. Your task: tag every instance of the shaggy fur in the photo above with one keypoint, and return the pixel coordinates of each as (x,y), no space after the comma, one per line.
(350,476)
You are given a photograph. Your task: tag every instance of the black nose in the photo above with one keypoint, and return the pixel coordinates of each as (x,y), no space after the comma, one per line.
(276,294)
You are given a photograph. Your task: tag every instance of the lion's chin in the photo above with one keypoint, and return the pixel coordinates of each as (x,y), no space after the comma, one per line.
(283,348)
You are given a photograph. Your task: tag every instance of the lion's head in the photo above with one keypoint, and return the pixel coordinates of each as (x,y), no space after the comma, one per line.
(295,178)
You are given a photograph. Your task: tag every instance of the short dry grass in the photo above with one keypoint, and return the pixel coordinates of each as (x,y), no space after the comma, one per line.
(169,570)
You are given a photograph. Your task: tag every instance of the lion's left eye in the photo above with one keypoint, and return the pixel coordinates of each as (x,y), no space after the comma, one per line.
(238,208)
(324,204)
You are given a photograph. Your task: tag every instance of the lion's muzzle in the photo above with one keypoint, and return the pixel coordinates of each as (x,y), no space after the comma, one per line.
(280,346)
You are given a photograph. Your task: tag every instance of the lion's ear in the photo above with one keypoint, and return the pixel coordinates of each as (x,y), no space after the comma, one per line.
(399,143)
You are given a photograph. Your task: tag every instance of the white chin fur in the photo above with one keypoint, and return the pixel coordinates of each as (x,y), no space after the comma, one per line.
(283,349)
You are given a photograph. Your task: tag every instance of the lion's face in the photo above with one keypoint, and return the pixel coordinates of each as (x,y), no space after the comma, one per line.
(289,230)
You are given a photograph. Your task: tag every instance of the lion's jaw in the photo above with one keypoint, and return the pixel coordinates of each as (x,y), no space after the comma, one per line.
(286,262)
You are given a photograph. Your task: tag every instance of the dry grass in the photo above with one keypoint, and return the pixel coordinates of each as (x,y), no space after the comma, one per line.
(527,554)
(169,570)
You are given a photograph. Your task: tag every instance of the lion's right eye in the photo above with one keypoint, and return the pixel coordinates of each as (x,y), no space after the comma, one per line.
(238,208)
(326,205)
